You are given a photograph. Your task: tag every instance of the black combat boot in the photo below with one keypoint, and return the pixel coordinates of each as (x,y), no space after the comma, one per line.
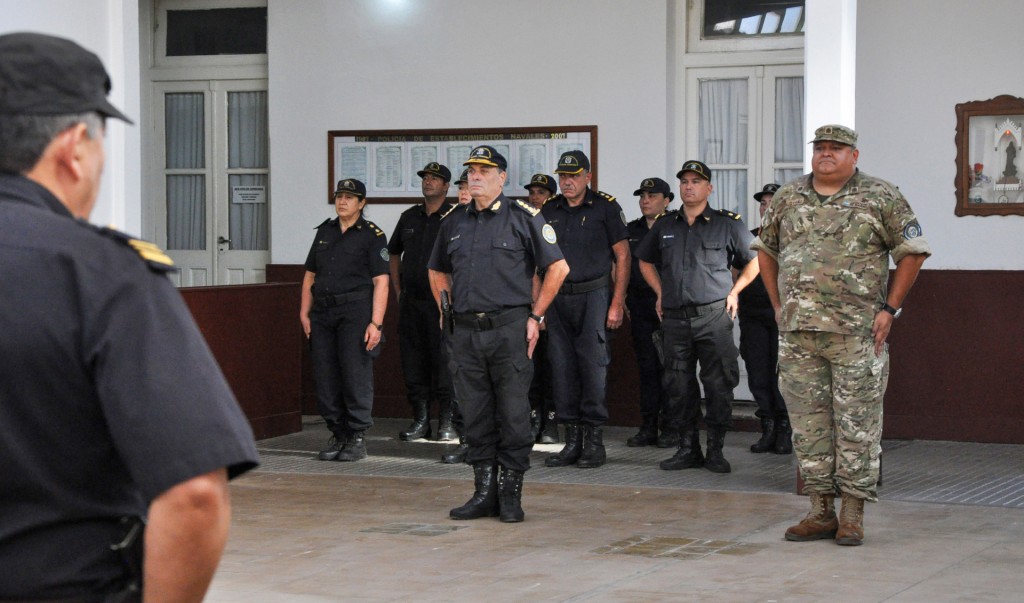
(535,422)
(647,435)
(510,495)
(334,446)
(668,438)
(549,434)
(593,453)
(783,436)
(445,430)
(716,462)
(420,426)
(688,456)
(768,436)
(570,453)
(355,448)
(484,502)
(456,454)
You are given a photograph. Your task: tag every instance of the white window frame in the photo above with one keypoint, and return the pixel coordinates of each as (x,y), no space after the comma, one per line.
(697,43)
(159,49)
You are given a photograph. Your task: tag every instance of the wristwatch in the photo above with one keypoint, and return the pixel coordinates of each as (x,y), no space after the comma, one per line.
(894,311)
(539,319)
(379,327)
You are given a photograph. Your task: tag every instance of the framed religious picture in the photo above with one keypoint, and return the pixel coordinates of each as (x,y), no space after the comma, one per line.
(989,162)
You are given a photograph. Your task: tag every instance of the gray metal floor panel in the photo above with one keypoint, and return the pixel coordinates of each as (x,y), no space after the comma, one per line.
(918,471)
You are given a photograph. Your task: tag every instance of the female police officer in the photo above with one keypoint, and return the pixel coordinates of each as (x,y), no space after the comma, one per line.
(344,297)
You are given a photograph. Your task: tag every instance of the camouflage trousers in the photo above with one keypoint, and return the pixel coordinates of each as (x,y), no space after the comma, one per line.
(833,385)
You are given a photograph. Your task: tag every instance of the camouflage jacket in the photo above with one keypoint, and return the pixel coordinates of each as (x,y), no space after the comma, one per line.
(833,255)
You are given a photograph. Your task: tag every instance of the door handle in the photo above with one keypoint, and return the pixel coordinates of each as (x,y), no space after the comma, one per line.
(222,241)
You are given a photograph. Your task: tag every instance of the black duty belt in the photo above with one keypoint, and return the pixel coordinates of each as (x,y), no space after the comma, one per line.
(485,321)
(686,312)
(584,287)
(329,301)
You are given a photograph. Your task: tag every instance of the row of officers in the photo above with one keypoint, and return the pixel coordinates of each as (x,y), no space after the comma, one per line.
(506,308)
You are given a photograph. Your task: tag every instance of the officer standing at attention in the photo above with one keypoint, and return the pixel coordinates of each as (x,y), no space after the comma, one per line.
(837,225)
(759,347)
(591,231)
(344,298)
(542,395)
(686,259)
(655,197)
(419,339)
(118,432)
(486,257)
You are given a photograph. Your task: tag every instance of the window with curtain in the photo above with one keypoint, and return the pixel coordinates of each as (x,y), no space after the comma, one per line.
(723,122)
(185,161)
(789,128)
(247,166)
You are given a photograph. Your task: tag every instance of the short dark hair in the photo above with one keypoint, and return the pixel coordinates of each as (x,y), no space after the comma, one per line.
(23,138)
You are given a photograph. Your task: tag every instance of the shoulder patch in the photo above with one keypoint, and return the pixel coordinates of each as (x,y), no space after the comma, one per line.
(523,205)
(606,195)
(728,214)
(155,258)
(322,224)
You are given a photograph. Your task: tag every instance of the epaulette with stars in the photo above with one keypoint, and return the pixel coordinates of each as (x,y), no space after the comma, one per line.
(606,195)
(377,231)
(155,258)
(523,205)
(728,214)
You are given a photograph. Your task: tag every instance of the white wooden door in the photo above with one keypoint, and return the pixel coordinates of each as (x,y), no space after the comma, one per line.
(212,201)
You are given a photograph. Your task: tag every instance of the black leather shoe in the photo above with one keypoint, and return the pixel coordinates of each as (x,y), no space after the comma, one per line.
(484,502)
(354,450)
(783,437)
(456,454)
(647,436)
(420,426)
(510,496)
(688,456)
(715,461)
(549,434)
(593,453)
(570,453)
(334,446)
(767,441)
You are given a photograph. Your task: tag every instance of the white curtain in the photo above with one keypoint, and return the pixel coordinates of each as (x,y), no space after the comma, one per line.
(186,194)
(247,148)
(789,120)
(722,132)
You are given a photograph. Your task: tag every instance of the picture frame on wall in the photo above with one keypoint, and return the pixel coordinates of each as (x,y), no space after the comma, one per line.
(989,160)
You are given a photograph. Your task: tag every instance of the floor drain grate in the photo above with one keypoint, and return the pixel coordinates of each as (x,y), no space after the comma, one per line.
(677,548)
(414,529)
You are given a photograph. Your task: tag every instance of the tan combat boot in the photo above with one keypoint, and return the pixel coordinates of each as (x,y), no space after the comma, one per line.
(820,523)
(851,521)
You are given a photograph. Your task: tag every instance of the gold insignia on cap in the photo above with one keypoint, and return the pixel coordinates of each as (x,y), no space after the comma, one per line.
(540,178)
(348,184)
(482,152)
(647,183)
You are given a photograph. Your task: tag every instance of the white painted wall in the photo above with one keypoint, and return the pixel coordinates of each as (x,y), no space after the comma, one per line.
(916,60)
(371,64)
(109,29)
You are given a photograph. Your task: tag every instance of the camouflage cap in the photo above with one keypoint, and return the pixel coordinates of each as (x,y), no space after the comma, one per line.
(836,133)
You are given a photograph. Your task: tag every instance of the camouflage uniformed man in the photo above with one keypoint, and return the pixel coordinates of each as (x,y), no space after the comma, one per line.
(824,252)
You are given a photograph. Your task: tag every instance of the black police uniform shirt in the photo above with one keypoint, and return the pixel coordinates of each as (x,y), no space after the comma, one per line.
(637,230)
(493,254)
(413,240)
(693,261)
(109,396)
(586,233)
(346,262)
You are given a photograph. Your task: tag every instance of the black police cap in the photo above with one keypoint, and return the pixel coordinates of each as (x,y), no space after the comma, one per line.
(463,177)
(697,167)
(436,169)
(543,181)
(46,75)
(572,162)
(655,185)
(769,189)
(487,155)
(351,185)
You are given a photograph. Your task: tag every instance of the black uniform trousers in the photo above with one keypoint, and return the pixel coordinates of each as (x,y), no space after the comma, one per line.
(706,338)
(492,372)
(643,322)
(578,353)
(419,339)
(759,346)
(342,367)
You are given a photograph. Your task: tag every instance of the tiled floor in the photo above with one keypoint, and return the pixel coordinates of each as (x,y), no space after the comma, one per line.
(377,530)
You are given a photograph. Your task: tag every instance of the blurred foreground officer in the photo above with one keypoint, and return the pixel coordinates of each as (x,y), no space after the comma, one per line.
(116,425)
(344,297)
(591,230)
(837,225)
(419,339)
(686,259)
(542,395)
(486,256)
(759,347)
